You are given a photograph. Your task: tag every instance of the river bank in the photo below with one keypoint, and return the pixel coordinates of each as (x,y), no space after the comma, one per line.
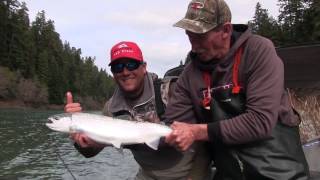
(17,104)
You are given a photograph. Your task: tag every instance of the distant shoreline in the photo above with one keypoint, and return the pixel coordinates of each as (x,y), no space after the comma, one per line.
(21,105)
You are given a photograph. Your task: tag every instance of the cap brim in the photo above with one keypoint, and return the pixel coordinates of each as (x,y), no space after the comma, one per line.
(194,26)
(116,60)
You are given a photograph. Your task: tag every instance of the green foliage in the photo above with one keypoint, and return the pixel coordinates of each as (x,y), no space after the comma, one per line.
(7,83)
(263,24)
(14,86)
(298,22)
(34,51)
(31,92)
(314,15)
(38,61)
(291,18)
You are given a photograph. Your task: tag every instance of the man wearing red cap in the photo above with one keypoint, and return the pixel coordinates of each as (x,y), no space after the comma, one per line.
(134,99)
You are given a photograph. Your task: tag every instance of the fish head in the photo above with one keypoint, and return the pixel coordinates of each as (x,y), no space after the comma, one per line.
(60,122)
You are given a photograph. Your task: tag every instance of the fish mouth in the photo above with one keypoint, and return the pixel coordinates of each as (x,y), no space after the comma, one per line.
(51,120)
(59,122)
(56,117)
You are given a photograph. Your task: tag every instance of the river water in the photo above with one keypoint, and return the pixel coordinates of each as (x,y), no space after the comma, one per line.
(29,150)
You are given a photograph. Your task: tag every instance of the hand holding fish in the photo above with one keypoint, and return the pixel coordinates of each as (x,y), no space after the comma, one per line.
(71,106)
(79,138)
(84,141)
(183,135)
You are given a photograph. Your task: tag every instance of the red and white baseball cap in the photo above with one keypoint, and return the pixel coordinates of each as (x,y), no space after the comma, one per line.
(125,49)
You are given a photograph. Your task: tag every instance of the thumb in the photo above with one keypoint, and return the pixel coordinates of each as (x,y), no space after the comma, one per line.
(69,97)
(176,124)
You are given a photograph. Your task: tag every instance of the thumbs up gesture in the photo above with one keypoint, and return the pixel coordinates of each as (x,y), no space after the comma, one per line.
(79,138)
(71,106)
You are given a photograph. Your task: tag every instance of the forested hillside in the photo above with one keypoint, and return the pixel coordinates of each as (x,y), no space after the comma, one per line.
(37,68)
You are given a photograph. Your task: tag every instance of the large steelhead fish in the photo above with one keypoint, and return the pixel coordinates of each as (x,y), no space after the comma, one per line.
(109,130)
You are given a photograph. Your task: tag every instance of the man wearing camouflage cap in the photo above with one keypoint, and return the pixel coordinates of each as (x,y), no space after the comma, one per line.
(232,95)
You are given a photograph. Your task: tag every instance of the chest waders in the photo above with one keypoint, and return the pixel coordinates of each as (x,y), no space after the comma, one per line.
(280,157)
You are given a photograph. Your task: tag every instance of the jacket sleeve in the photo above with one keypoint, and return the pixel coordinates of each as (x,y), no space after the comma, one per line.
(264,85)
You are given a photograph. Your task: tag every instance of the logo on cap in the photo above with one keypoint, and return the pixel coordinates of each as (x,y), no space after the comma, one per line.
(122,46)
(204,15)
(196,5)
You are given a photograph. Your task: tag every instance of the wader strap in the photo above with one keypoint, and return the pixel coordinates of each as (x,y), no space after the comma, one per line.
(207,96)
(235,79)
(235,72)
(160,107)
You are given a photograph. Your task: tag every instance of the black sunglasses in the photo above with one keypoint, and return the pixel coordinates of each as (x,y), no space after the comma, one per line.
(130,65)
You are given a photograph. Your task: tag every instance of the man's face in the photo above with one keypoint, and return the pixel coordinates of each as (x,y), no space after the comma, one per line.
(208,46)
(129,74)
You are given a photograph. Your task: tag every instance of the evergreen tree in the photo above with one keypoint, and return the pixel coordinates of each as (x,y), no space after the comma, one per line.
(69,69)
(3,33)
(291,19)
(39,58)
(55,89)
(26,40)
(21,40)
(312,20)
(9,33)
(42,67)
(264,24)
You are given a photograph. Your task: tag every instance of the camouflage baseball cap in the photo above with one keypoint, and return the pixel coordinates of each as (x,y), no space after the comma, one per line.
(204,15)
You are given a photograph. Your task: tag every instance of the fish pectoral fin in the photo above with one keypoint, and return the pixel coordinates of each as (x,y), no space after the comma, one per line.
(120,150)
(153,144)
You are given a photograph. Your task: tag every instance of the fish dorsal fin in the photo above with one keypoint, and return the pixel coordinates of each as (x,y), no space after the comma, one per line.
(153,144)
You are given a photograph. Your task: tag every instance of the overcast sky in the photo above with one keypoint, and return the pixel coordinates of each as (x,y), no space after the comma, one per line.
(96,25)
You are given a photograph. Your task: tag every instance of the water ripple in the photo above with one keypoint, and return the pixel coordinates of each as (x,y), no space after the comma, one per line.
(32,151)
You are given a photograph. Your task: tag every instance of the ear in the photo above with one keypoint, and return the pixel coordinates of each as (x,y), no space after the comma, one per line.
(226,30)
(144,66)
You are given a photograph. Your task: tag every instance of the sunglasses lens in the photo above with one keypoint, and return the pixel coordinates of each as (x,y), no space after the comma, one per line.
(130,65)
(117,68)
